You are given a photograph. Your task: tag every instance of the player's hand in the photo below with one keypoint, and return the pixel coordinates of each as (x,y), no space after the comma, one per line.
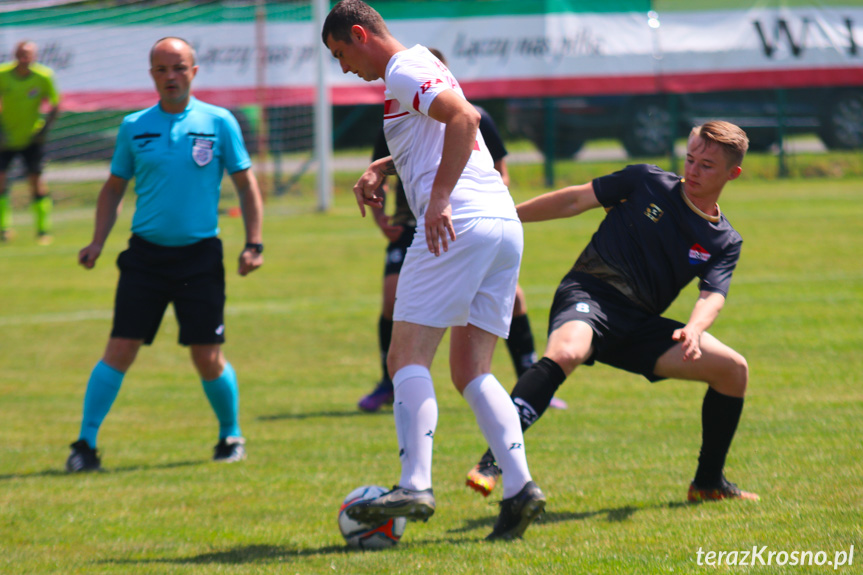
(87,257)
(366,190)
(250,260)
(438,224)
(391,232)
(690,340)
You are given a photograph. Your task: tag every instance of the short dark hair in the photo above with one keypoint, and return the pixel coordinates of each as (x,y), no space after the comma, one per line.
(346,14)
(439,55)
(731,138)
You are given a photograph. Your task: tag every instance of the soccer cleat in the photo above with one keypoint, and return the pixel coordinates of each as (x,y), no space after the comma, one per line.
(400,502)
(44,239)
(483,477)
(383,394)
(230,449)
(83,458)
(517,512)
(7,235)
(724,489)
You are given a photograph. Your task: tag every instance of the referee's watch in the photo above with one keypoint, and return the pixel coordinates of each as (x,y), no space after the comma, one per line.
(257,248)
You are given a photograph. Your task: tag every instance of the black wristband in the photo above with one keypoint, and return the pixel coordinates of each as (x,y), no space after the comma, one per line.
(258,248)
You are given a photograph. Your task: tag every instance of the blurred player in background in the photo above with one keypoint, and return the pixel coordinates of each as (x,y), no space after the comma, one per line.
(25,86)
(460,272)
(661,231)
(399,229)
(177,151)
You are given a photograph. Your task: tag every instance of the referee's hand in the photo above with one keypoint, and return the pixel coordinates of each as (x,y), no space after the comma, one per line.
(250,260)
(87,257)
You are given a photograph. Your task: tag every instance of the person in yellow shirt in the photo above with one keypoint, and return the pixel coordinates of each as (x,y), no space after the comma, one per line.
(24,86)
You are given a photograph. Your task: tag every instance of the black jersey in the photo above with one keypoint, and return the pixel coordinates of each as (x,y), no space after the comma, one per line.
(490,135)
(653,241)
(403,215)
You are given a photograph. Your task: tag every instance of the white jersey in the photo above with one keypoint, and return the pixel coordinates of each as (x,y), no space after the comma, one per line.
(414,78)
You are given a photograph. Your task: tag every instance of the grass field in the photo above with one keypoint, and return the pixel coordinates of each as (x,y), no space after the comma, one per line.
(302,337)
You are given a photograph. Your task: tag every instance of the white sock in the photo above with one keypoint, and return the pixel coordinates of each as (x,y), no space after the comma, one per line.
(415,411)
(498,419)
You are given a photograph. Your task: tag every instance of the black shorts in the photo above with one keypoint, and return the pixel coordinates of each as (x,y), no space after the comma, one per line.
(151,276)
(397,250)
(32,156)
(624,335)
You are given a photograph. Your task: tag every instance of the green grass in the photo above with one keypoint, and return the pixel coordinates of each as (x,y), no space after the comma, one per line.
(302,337)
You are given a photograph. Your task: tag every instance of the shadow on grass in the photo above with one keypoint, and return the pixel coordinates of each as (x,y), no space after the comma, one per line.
(616,515)
(281,553)
(240,555)
(314,414)
(127,469)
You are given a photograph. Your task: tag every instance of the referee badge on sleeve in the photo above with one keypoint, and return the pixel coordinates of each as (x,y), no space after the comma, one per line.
(202,151)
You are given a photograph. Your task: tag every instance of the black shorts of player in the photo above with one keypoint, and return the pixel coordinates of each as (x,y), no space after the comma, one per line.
(624,335)
(32,156)
(151,276)
(397,250)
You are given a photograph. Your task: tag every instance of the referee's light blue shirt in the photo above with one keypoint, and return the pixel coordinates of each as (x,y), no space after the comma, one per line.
(178,161)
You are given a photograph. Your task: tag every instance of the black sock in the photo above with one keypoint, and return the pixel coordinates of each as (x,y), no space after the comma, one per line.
(520,344)
(719,417)
(385,335)
(533,392)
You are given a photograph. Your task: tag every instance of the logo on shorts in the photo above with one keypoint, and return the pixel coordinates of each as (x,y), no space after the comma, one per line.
(202,151)
(582,307)
(653,212)
(220,330)
(698,255)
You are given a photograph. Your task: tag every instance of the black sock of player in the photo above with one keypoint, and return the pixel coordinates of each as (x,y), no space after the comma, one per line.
(534,390)
(719,417)
(520,344)
(532,394)
(385,335)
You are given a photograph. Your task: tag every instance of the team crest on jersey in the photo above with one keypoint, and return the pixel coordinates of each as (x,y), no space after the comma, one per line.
(653,212)
(698,255)
(202,151)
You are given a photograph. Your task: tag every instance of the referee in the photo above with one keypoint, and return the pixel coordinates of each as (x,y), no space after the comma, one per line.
(177,151)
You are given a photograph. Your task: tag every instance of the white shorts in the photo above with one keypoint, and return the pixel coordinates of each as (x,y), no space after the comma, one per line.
(472,283)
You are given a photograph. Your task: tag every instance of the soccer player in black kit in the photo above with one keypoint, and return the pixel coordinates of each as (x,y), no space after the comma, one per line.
(660,232)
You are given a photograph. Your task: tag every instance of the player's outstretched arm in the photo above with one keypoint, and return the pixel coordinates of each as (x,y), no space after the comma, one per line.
(704,313)
(108,207)
(563,203)
(252,206)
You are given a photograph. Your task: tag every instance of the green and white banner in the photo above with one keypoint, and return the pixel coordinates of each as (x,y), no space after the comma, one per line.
(495,49)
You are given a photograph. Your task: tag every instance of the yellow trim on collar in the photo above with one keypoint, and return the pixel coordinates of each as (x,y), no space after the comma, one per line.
(715,219)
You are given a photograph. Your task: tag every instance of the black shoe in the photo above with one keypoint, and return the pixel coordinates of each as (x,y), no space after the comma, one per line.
(83,458)
(400,502)
(230,450)
(517,512)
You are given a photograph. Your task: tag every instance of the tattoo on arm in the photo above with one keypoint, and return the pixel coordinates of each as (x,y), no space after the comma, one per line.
(389,168)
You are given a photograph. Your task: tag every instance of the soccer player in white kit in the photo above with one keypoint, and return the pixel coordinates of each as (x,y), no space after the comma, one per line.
(460,271)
